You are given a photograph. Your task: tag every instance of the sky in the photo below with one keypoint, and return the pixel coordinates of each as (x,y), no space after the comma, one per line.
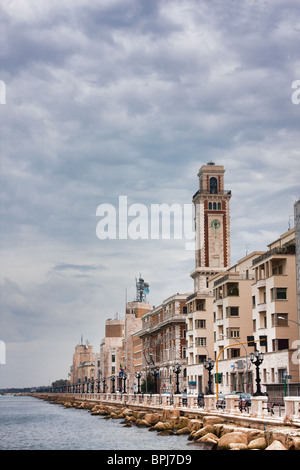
(109,98)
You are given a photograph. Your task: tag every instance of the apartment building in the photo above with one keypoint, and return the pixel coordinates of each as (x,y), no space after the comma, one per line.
(111,352)
(132,344)
(163,336)
(83,366)
(259,302)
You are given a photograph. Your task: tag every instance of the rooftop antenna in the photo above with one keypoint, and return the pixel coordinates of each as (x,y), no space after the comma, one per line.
(290,217)
(142,289)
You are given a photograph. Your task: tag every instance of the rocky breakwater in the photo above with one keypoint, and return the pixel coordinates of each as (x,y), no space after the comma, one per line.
(207,432)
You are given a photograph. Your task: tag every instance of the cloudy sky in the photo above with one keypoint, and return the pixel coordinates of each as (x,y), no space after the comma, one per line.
(131,97)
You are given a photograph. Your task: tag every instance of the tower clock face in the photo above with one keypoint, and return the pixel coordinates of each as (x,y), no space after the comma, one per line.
(216,224)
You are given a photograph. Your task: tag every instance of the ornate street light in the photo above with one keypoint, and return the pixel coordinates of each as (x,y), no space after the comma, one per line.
(209,365)
(124,378)
(113,378)
(256,358)
(103,381)
(155,374)
(138,375)
(176,369)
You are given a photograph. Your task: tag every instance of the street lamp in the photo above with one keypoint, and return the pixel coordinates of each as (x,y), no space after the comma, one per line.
(124,378)
(113,378)
(138,375)
(103,381)
(176,369)
(155,374)
(256,358)
(209,365)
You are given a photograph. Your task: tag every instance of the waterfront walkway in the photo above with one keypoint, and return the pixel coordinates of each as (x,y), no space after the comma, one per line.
(262,410)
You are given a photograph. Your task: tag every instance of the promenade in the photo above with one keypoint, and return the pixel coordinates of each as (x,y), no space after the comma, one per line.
(261,412)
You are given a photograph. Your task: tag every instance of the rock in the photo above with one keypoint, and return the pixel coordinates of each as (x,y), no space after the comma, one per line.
(209,437)
(295,443)
(207,429)
(166,432)
(142,423)
(260,443)
(232,438)
(195,425)
(276,445)
(152,418)
(212,420)
(160,426)
(237,446)
(185,430)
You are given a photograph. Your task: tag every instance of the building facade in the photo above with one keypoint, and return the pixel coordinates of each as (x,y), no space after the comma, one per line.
(83,367)
(163,336)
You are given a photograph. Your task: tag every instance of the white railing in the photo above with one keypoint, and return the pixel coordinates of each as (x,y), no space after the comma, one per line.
(261,407)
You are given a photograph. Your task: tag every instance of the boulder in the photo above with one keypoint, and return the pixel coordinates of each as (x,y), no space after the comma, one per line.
(209,437)
(195,425)
(212,420)
(185,430)
(201,432)
(152,418)
(232,438)
(295,443)
(142,423)
(237,446)
(260,443)
(160,426)
(276,445)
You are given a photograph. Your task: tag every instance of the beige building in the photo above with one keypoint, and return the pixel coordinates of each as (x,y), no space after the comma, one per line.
(111,352)
(83,367)
(163,336)
(132,344)
(268,316)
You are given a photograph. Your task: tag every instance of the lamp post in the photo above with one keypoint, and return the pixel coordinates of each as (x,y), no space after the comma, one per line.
(256,358)
(155,375)
(209,365)
(103,381)
(138,375)
(124,378)
(176,369)
(113,378)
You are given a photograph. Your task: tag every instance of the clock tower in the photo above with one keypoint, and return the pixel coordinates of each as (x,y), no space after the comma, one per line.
(212,225)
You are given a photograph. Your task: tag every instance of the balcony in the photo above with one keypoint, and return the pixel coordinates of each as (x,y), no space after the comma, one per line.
(262,307)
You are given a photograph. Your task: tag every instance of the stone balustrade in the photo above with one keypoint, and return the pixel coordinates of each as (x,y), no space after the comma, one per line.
(260,407)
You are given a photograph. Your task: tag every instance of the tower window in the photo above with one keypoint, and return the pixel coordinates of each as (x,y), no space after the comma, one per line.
(213,185)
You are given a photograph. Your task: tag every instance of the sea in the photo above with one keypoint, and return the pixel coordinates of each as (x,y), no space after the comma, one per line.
(28,423)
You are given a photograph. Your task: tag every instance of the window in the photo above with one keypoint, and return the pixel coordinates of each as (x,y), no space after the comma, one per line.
(200,323)
(279,293)
(200,341)
(253,301)
(233,288)
(232,312)
(234,333)
(200,305)
(184,309)
(213,185)
(113,358)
